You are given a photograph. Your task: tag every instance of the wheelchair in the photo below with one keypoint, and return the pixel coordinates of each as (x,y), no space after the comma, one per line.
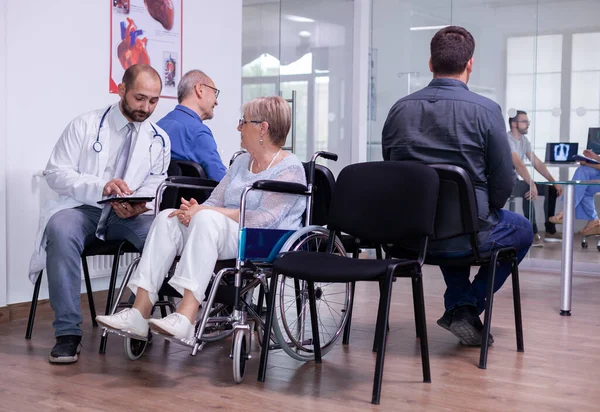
(235,299)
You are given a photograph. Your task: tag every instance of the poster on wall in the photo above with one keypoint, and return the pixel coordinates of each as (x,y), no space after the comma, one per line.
(149,32)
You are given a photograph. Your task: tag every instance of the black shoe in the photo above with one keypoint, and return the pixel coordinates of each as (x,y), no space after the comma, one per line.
(66,349)
(464,323)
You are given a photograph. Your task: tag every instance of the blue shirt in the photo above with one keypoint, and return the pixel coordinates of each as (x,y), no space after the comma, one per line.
(447,123)
(192,140)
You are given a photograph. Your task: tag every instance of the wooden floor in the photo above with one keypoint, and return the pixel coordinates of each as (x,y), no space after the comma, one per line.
(559,371)
(553,251)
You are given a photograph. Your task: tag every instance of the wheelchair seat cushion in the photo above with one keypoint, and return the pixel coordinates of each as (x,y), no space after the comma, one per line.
(327,267)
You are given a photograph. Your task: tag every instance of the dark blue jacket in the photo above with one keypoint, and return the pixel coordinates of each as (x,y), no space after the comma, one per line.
(447,123)
(192,140)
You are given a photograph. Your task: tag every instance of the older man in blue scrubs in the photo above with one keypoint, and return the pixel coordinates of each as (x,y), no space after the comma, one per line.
(191,139)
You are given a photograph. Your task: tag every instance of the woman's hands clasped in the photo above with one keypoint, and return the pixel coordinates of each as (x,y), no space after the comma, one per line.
(187,210)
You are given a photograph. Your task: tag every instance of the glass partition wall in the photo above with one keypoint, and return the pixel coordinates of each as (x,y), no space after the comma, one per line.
(541,57)
(302,50)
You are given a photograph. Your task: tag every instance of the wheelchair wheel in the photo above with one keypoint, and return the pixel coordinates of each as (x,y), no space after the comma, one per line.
(292,325)
(134,348)
(240,355)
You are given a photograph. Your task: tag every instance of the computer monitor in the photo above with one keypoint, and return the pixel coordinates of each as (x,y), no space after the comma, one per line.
(593,142)
(561,152)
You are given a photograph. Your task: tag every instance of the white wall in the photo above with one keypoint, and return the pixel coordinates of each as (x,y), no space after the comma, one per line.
(59,54)
(3,266)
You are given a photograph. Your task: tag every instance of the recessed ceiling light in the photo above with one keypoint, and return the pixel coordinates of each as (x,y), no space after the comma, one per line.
(304,33)
(299,19)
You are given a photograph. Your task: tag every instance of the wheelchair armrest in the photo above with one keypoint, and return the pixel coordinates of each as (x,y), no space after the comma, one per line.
(280,187)
(198,182)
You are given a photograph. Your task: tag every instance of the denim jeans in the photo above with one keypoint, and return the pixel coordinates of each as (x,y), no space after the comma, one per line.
(512,230)
(67,234)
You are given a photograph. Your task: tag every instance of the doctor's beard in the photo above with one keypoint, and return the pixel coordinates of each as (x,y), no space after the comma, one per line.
(135,115)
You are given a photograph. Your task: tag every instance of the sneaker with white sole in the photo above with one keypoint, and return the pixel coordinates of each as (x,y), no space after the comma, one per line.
(537,241)
(129,322)
(553,237)
(175,325)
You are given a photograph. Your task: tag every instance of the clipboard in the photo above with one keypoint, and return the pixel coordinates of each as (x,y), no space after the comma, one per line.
(132,199)
(580,158)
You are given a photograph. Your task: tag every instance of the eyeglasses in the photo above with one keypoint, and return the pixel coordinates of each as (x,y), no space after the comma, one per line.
(242,122)
(217,91)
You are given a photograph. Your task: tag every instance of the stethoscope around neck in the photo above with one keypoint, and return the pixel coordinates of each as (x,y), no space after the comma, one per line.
(97,146)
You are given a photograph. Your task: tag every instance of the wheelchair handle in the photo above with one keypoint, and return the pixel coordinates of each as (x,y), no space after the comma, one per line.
(325,155)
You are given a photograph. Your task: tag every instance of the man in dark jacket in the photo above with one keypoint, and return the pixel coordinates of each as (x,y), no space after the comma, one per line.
(447,123)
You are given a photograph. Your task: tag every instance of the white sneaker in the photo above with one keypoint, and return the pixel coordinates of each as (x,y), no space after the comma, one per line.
(129,321)
(175,325)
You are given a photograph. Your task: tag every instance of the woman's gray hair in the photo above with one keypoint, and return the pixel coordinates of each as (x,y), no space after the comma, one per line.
(187,83)
(275,111)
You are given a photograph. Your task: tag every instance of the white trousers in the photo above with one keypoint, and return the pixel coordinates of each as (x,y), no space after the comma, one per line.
(210,236)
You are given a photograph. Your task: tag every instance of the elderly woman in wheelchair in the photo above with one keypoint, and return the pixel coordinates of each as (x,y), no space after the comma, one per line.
(202,234)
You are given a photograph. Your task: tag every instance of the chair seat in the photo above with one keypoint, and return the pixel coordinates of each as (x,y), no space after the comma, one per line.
(327,267)
(107,247)
(431,259)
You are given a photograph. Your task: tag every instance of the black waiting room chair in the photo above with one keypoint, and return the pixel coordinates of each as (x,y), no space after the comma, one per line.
(457,216)
(115,248)
(369,203)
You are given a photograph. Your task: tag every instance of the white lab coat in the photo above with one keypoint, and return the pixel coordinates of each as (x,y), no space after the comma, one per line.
(75,171)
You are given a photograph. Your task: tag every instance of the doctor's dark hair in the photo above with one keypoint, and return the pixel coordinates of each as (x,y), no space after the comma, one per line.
(451,49)
(512,120)
(132,73)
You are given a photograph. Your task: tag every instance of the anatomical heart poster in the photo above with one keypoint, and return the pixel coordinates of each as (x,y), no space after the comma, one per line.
(149,32)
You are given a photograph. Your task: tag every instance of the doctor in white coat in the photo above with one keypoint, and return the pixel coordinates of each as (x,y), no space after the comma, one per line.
(114,151)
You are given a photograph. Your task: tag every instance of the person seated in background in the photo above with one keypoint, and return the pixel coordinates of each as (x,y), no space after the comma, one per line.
(419,127)
(521,150)
(203,233)
(191,139)
(584,195)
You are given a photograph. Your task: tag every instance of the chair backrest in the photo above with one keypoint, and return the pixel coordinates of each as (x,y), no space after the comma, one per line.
(171,197)
(235,156)
(456,213)
(385,202)
(323,187)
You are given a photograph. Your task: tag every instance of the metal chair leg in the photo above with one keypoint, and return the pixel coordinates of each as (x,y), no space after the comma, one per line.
(88,288)
(163,309)
(111,291)
(348,326)
(517,305)
(378,332)
(416,308)
(384,304)
(314,321)
(419,298)
(489,301)
(33,308)
(264,353)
